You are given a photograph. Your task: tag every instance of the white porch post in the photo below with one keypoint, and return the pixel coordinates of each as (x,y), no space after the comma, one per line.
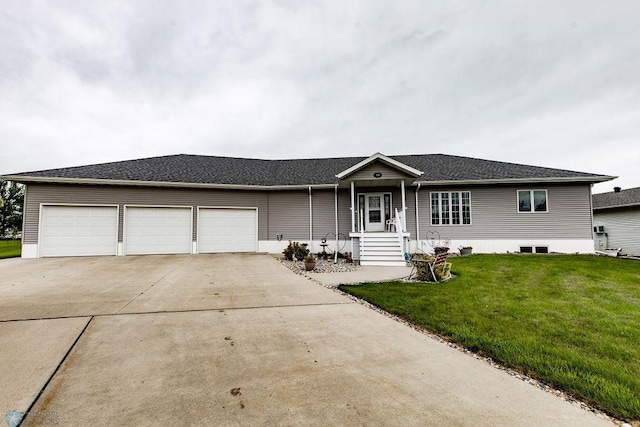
(404,207)
(353,207)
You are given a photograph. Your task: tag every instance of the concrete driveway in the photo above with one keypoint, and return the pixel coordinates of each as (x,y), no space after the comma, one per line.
(232,340)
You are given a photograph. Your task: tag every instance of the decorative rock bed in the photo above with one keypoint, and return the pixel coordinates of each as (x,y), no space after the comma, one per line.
(322,266)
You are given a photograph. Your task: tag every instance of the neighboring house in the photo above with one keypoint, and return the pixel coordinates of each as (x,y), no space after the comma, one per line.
(616,220)
(378,207)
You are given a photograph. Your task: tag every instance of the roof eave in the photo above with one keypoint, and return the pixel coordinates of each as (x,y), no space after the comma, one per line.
(123,182)
(581,179)
(96,181)
(626,205)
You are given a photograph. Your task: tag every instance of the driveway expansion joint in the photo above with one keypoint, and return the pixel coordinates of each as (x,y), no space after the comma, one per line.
(150,286)
(119,313)
(56,370)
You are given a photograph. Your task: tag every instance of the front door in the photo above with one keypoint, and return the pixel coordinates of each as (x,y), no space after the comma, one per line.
(374,212)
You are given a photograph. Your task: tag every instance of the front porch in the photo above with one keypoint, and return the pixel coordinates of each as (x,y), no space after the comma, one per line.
(380,237)
(379,234)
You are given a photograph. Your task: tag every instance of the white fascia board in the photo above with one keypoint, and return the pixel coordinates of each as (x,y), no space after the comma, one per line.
(59,180)
(551,180)
(379,156)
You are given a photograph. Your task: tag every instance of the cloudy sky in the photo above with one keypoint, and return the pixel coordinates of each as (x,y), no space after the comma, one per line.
(549,83)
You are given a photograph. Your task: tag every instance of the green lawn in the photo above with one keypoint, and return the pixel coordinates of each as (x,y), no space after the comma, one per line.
(10,248)
(569,320)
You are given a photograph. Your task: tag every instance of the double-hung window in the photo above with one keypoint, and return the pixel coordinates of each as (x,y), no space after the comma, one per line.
(451,208)
(532,201)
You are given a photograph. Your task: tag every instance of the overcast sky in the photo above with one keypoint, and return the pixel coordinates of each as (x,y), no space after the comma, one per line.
(549,83)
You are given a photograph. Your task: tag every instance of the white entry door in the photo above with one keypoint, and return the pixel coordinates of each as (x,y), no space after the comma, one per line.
(374,212)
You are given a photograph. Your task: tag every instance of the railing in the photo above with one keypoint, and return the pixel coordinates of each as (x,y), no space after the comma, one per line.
(399,229)
(400,224)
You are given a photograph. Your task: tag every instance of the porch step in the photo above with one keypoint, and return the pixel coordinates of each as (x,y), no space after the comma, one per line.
(383,263)
(381,249)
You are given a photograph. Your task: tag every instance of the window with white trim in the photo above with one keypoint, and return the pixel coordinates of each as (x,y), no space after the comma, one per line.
(532,201)
(451,208)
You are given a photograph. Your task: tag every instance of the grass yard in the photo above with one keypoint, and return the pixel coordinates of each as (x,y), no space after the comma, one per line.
(10,248)
(572,321)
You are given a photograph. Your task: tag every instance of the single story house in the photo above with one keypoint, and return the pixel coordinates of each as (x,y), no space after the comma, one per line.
(616,220)
(378,207)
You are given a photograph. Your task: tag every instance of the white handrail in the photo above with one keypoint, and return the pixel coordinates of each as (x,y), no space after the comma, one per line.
(399,222)
(399,230)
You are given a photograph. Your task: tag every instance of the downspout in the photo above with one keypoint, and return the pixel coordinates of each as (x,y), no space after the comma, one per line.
(310,219)
(24,217)
(417,219)
(335,257)
(593,238)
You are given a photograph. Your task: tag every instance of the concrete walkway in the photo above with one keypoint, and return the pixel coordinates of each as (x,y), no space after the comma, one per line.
(233,340)
(365,274)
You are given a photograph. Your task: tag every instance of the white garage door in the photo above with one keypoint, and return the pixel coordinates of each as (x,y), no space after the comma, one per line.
(227,230)
(78,230)
(157,231)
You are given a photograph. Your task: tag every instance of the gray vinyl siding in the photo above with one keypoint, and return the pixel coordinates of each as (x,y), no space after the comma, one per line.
(289,215)
(494,214)
(622,228)
(121,196)
(411,212)
(344,212)
(324,217)
(387,172)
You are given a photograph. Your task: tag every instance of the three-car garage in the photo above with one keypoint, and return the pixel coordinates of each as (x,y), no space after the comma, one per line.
(88,230)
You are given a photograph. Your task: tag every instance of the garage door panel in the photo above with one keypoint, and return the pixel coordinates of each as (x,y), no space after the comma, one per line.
(227,230)
(157,230)
(78,230)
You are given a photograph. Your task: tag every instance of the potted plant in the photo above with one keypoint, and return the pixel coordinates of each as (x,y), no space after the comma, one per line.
(301,250)
(309,262)
(465,250)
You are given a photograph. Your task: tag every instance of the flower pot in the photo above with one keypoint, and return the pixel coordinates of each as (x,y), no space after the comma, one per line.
(309,265)
(465,251)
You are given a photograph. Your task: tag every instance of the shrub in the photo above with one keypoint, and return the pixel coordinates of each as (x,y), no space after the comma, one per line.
(297,250)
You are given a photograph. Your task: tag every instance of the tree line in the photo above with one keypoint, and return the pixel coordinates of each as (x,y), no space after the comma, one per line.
(11,209)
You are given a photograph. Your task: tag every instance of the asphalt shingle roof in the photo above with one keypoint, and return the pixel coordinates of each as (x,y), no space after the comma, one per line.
(628,197)
(183,168)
